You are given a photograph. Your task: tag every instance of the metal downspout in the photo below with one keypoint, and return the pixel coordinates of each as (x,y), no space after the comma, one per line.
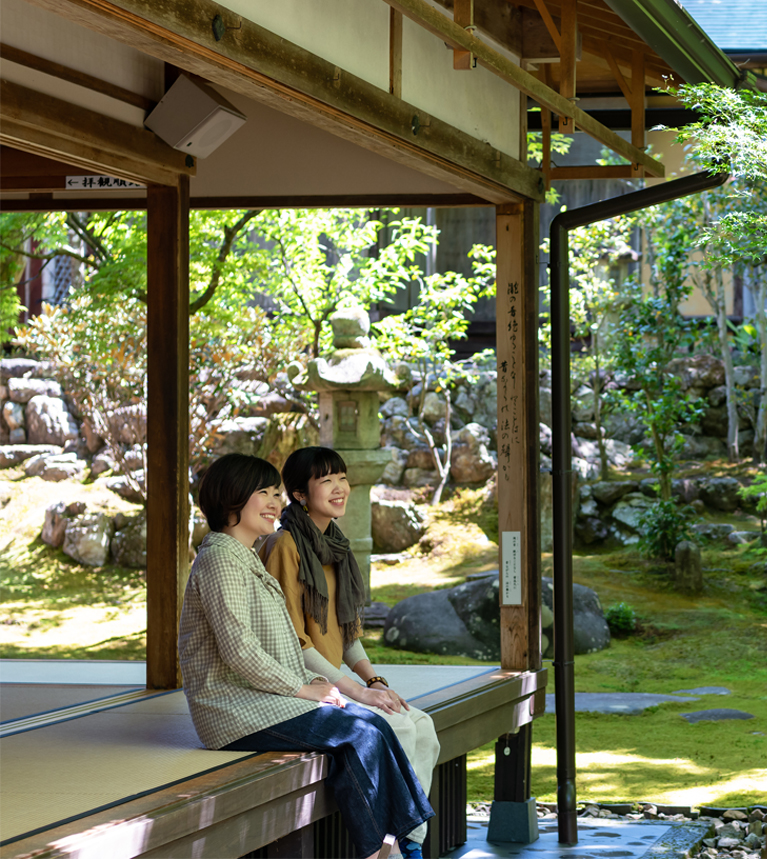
(564,674)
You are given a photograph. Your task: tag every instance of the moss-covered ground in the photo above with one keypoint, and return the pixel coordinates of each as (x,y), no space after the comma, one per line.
(53,607)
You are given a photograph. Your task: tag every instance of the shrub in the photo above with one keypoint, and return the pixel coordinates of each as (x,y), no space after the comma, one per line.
(621,618)
(662,526)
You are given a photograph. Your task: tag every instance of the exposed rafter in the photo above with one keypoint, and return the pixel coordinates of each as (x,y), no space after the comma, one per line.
(447,30)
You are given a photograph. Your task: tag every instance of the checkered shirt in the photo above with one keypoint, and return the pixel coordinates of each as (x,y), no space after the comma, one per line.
(240,658)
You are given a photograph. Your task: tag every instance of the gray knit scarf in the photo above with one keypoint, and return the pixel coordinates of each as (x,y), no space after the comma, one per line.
(316,549)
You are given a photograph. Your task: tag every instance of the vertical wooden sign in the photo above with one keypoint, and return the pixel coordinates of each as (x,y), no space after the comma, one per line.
(517,352)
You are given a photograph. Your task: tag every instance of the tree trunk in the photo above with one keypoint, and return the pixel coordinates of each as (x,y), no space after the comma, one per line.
(760,299)
(603,464)
(720,307)
(445,471)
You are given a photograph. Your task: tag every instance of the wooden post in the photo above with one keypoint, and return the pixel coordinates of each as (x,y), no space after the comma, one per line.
(518,434)
(637,108)
(568,56)
(167,426)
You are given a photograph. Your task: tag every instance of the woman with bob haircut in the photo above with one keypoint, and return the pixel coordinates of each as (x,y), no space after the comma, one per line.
(325,597)
(245,679)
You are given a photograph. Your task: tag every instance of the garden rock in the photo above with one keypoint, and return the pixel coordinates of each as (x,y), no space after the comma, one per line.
(609,491)
(13,414)
(241,435)
(125,489)
(630,509)
(415,477)
(22,390)
(61,466)
(49,421)
(87,539)
(544,438)
(17,436)
(584,468)
(396,525)
(399,431)
(200,527)
(718,531)
(464,621)
(93,441)
(688,567)
(420,457)
(624,427)
(392,474)
(15,368)
(470,461)
(546,505)
(428,623)
(128,546)
(544,405)
(698,371)
(721,493)
(102,462)
(14,454)
(57,517)
(739,538)
(590,630)
(394,406)
(128,424)
(134,458)
(746,376)
(434,407)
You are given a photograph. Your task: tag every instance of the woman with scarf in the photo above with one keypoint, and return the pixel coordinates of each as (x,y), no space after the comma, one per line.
(325,597)
(245,679)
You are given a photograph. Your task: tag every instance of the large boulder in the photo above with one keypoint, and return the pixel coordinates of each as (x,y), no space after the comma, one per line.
(698,371)
(56,467)
(15,454)
(471,461)
(49,421)
(128,546)
(721,493)
(13,414)
(57,517)
(630,509)
(16,368)
(87,539)
(22,390)
(465,621)
(392,474)
(394,406)
(131,490)
(609,491)
(241,435)
(127,424)
(396,525)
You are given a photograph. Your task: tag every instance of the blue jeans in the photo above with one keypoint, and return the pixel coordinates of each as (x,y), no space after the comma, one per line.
(373,783)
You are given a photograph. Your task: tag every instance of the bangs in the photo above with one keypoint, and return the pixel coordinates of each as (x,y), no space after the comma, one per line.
(326,461)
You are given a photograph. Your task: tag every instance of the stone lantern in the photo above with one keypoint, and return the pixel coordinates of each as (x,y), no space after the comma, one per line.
(348,382)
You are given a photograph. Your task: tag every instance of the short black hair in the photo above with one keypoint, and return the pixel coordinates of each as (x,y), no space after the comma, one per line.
(228,484)
(306,463)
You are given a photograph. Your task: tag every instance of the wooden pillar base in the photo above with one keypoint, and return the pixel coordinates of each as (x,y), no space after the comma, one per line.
(515,822)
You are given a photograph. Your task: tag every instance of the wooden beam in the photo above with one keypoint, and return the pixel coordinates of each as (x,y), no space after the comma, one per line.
(518,469)
(443,27)
(593,53)
(167,427)
(43,125)
(567,65)
(75,76)
(593,171)
(546,134)
(617,74)
(463,15)
(266,67)
(637,109)
(543,11)
(395,53)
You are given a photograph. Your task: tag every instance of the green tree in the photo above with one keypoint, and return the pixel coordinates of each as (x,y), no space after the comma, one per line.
(731,136)
(594,251)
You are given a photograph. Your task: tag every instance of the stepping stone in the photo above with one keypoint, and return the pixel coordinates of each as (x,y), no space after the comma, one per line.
(627,703)
(715,715)
(704,690)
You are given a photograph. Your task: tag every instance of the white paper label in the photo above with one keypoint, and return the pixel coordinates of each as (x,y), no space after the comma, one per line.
(511,574)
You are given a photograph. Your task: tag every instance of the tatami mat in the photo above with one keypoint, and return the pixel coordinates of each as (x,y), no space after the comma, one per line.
(71,768)
(20,700)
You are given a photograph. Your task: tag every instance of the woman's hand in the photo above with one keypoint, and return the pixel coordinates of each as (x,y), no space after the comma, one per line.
(322,691)
(397,701)
(376,698)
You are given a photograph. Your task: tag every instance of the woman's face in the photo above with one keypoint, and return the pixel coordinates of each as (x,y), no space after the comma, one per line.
(261,510)
(327,496)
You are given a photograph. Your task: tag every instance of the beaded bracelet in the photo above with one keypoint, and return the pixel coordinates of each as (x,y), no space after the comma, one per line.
(373,680)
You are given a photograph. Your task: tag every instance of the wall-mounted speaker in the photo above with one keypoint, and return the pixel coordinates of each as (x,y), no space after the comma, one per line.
(194,118)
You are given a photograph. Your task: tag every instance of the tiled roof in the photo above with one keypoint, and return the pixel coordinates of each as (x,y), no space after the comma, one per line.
(735,26)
